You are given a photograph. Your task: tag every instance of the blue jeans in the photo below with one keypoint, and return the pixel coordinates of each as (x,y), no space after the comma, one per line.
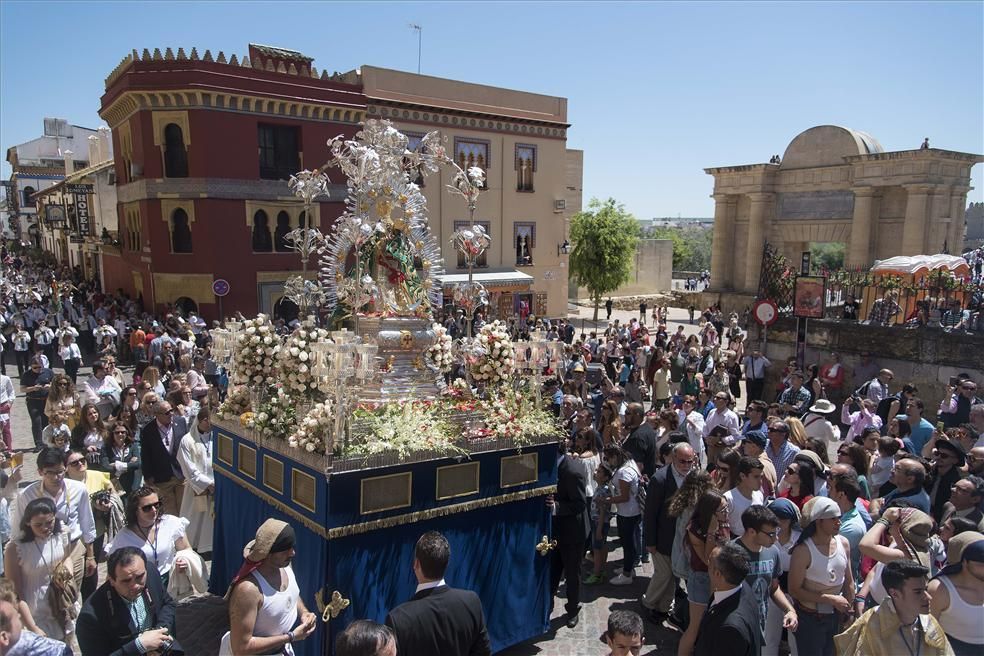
(626,535)
(815,634)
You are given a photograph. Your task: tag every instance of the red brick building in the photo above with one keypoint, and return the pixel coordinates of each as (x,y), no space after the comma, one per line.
(203,149)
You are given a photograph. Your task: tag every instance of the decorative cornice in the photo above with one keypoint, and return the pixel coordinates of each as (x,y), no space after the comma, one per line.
(743,168)
(130,102)
(227,188)
(921,153)
(457,119)
(258,64)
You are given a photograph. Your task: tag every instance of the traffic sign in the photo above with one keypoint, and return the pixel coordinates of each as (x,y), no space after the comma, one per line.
(220,287)
(765,312)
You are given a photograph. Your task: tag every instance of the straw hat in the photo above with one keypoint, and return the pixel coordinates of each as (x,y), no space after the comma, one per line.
(258,548)
(823,407)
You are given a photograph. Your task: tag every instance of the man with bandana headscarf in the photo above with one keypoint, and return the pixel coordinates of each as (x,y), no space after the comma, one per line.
(264,600)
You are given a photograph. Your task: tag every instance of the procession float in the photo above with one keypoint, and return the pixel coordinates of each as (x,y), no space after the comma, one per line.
(368,425)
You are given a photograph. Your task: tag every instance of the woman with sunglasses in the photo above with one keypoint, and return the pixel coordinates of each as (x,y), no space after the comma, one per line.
(121,457)
(148,409)
(30,560)
(89,436)
(62,398)
(101,493)
(128,400)
(851,453)
(797,484)
(160,537)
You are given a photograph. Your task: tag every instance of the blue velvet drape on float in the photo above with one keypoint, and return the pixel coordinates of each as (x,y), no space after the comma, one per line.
(367,556)
(238,514)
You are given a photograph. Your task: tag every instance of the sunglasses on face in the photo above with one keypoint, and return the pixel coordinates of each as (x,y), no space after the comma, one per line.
(152,506)
(77,463)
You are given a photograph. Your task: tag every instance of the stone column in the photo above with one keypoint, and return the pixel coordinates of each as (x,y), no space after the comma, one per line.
(914,228)
(756,240)
(958,210)
(721,254)
(860,248)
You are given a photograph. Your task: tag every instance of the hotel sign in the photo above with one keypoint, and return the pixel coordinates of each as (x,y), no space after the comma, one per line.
(82,216)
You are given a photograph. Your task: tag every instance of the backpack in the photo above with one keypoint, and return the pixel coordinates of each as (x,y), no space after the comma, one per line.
(862,392)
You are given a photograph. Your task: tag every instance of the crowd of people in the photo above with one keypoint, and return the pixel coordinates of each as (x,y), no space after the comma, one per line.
(832,553)
(752,531)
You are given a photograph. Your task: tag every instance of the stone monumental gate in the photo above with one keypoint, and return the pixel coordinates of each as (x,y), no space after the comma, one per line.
(834,184)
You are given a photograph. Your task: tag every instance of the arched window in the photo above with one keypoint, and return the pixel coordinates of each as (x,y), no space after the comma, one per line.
(283,227)
(180,232)
(285,309)
(302,220)
(186,305)
(28,192)
(175,155)
(262,242)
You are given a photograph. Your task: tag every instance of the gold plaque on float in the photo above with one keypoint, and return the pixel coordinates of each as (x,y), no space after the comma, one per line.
(225,449)
(457,480)
(247,460)
(385,493)
(303,489)
(519,470)
(273,474)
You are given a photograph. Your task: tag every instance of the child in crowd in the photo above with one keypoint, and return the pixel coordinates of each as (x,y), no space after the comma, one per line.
(881,468)
(600,523)
(625,633)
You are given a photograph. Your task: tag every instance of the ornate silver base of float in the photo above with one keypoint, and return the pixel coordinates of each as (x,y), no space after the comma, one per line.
(404,374)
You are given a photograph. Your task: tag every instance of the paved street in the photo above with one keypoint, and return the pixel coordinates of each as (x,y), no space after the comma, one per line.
(202,621)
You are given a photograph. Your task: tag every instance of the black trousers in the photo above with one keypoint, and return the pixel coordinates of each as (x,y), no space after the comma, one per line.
(566,561)
(38,420)
(754,387)
(22,360)
(72,368)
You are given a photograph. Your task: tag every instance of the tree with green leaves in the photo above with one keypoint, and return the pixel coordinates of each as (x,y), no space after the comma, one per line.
(605,238)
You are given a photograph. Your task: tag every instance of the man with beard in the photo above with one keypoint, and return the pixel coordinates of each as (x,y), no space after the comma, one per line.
(264,599)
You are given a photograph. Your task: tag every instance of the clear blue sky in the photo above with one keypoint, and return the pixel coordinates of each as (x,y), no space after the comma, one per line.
(656,92)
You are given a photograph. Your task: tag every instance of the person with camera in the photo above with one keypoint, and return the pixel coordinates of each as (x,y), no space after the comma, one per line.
(101,497)
(131,613)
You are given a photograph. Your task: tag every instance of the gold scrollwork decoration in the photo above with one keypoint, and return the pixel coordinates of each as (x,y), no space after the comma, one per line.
(334,608)
(545,546)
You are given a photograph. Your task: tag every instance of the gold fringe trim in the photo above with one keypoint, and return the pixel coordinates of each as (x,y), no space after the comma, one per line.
(276,503)
(389,522)
(443,511)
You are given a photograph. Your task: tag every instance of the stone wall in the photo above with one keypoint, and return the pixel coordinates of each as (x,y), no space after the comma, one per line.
(651,272)
(926,357)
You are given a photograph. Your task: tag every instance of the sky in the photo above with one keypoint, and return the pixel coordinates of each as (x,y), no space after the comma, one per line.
(656,91)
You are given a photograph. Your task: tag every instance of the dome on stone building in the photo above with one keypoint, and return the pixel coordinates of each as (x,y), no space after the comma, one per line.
(827,145)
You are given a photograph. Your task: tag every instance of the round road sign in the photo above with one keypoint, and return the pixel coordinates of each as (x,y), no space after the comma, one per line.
(220,287)
(765,312)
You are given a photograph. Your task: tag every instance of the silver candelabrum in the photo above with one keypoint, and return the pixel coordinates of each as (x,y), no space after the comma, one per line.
(342,368)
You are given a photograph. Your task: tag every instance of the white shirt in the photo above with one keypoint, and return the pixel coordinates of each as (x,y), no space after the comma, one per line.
(728,419)
(721,595)
(72,507)
(737,504)
(429,585)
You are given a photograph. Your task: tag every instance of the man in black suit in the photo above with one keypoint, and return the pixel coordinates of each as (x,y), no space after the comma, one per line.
(730,626)
(439,619)
(659,528)
(130,613)
(571,526)
(159,441)
(641,442)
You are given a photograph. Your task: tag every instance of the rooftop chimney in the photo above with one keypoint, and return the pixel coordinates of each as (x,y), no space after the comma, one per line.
(94,155)
(69,164)
(105,145)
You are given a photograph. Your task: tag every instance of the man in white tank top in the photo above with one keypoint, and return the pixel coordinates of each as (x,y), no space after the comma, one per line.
(264,600)
(958,594)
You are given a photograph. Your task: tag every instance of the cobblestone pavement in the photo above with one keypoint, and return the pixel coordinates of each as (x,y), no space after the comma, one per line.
(201,622)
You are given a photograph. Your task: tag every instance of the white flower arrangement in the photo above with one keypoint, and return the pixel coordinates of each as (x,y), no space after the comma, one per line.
(256,353)
(276,417)
(492,361)
(513,414)
(314,431)
(439,354)
(297,361)
(404,427)
(236,402)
